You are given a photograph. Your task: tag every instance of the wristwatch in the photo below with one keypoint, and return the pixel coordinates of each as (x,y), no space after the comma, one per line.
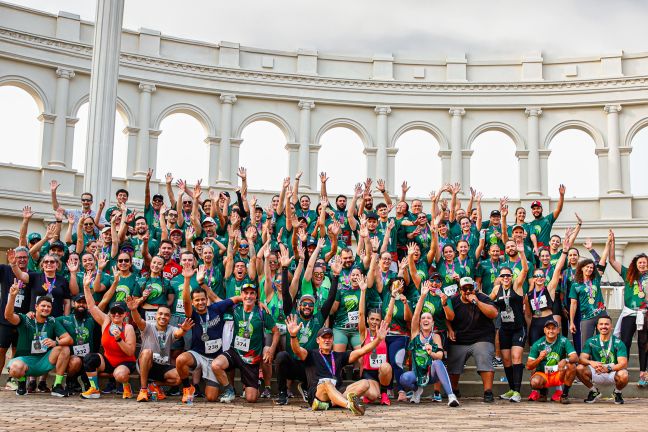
(609,368)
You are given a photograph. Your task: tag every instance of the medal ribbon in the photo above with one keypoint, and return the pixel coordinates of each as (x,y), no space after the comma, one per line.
(329,366)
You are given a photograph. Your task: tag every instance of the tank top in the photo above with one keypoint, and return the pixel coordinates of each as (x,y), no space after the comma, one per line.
(539,301)
(511,307)
(375,358)
(112,350)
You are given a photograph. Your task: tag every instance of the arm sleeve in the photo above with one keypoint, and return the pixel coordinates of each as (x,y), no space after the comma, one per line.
(328,304)
(285,293)
(221,306)
(239,199)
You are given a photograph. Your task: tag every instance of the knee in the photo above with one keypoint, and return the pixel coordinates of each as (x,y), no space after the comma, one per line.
(17,369)
(385,368)
(91,362)
(580,369)
(251,395)
(622,375)
(408,380)
(122,375)
(537,382)
(62,352)
(146,354)
(75,364)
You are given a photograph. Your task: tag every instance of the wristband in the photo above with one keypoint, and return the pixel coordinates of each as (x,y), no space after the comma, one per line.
(293,337)
(565,252)
(59,222)
(118,339)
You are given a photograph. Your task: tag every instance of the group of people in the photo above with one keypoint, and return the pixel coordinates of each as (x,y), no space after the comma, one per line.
(390,298)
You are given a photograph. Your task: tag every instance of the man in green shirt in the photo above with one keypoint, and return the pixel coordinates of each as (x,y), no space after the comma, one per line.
(554,359)
(603,361)
(541,225)
(38,351)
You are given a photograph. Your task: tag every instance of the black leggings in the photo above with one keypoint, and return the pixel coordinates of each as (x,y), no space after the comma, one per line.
(628,329)
(536,329)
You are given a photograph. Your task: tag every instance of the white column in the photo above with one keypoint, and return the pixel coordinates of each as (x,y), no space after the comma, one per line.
(533,163)
(142,159)
(227,100)
(47,128)
(57,154)
(154,134)
(615,182)
(132,133)
(103,98)
(212,151)
(70,123)
(305,108)
(381,141)
(456,138)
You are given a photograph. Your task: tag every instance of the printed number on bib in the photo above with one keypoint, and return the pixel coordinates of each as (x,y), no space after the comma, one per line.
(138,263)
(19,300)
(551,369)
(507,317)
(150,316)
(241,343)
(212,346)
(378,361)
(180,308)
(81,350)
(157,358)
(450,290)
(354,318)
(542,303)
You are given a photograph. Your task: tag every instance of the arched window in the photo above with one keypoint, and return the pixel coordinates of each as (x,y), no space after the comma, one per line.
(20,129)
(418,162)
(341,157)
(638,163)
(494,167)
(182,150)
(573,163)
(263,153)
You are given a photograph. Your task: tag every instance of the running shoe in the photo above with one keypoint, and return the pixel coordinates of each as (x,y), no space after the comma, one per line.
(507,395)
(354,404)
(228,395)
(516,397)
(497,362)
(318,405)
(618,398)
(59,391)
(174,391)
(110,387)
(91,393)
(153,387)
(556,396)
(188,394)
(592,396)
(282,399)
(301,391)
(402,397)
(416,396)
(384,399)
(143,395)
(453,401)
(290,394)
(31,387)
(198,393)
(11,385)
(127,393)
(488,397)
(21,388)
(42,387)
(534,396)
(437,397)
(642,383)
(267,393)
(564,399)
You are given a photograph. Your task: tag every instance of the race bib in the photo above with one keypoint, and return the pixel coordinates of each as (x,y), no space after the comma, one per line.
(212,346)
(507,317)
(37,347)
(541,303)
(180,307)
(19,300)
(551,369)
(150,316)
(157,358)
(138,263)
(353,317)
(376,361)
(450,290)
(241,343)
(325,380)
(81,350)
(282,328)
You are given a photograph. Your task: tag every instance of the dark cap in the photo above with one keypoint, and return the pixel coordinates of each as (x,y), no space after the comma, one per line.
(158,196)
(536,204)
(324,331)
(34,236)
(311,241)
(435,275)
(372,215)
(175,230)
(551,321)
(118,307)
(302,218)
(127,244)
(79,297)
(496,213)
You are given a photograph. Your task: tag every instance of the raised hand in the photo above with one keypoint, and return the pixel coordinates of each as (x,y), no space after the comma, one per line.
(182,185)
(292,326)
(286,182)
(14,289)
(362,282)
(404,187)
(323,177)
(578,219)
(11,256)
(188,271)
(382,330)
(59,213)
(588,244)
(73,266)
(411,249)
(133,302)
(357,190)
(285,259)
(200,275)
(426,288)
(149,174)
(242,173)
(27,212)
(336,265)
(54,185)
(168,178)
(380,185)
(561,190)
(187,324)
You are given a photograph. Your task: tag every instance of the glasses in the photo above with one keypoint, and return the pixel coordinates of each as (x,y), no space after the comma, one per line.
(86,200)
(435,280)
(186,202)
(505,275)
(158,200)
(539,275)
(173,214)
(243,246)
(88,224)
(308,304)
(318,273)
(118,313)
(125,260)
(47,262)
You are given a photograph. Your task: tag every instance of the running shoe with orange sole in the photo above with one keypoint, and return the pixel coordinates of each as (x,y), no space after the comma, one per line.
(143,396)
(187,393)
(91,393)
(128,393)
(153,387)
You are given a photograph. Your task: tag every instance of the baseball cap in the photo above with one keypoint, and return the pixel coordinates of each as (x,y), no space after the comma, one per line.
(435,275)
(517,226)
(372,215)
(302,219)
(105,229)
(551,321)
(34,236)
(307,297)
(158,197)
(118,307)
(466,280)
(495,213)
(324,331)
(79,297)
(311,242)
(536,204)
(175,230)
(126,245)
(208,220)
(248,286)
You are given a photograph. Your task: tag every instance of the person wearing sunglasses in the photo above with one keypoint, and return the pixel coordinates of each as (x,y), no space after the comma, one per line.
(315,282)
(121,284)
(509,299)
(85,210)
(86,232)
(117,340)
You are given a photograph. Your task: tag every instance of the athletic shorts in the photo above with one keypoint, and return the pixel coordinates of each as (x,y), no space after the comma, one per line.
(37,365)
(509,337)
(132,366)
(157,371)
(228,335)
(349,337)
(204,364)
(249,372)
(8,336)
(602,379)
(482,351)
(281,346)
(552,379)
(369,374)
(497,321)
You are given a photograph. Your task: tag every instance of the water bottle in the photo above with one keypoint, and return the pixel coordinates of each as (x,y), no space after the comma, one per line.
(154,396)
(190,399)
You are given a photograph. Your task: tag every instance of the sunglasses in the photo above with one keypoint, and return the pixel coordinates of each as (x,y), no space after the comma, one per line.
(123,261)
(86,200)
(88,224)
(49,262)
(186,202)
(308,304)
(539,275)
(318,273)
(244,246)
(158,200)
(173,214)
(435,280)
(505,275)
(118,313)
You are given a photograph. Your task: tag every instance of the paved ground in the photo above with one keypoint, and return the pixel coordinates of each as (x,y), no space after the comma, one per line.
(44,412)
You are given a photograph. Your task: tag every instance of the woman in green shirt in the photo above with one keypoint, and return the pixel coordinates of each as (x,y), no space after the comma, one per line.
(155,290)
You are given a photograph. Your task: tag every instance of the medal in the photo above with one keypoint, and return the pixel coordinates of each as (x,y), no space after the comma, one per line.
(37,345)
(373,355)
(590,301)
(246,334)
(508,309)
(641,294)
(204,337)
(548,349)
(205,326)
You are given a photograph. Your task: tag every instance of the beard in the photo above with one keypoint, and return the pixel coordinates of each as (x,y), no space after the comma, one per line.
(80,313)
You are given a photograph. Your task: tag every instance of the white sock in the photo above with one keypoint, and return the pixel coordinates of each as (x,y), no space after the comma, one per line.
(616,390)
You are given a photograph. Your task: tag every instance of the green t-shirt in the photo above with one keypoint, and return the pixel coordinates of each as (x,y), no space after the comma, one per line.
(233,289)
(421,360)
(542,228)
(634,297)
(432,304)
(398,324)
(177,283)
(138,256)
(31,333)
(605,352)
(491,237)
(589,296)
(516,268)
(87,238)
(127,286)
(488,271)
(249,332)
(464,268)
(81,331)
(159,289)
(307,333)
(560,349)
(275,305)
(322,292)
(153,221)
(347,314)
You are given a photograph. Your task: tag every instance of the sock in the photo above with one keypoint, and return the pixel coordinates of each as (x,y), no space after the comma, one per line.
(85,381)
(437,392)
(616,390)
(543,392)
(186,382)
(21,379)
(566,390)
(127,387)
(508,371)
(59,380)
(518,371)
(383,389)
(94,382)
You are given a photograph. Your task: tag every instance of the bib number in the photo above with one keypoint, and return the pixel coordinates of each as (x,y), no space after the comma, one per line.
(150,316)
(19,300)
(212,346)
(376,362)
(551,369)
(450,290)
(241,343)
(354,318)
(507,317)
(157,358)
(180,308)
(81,350)
(138,263)
(542,303)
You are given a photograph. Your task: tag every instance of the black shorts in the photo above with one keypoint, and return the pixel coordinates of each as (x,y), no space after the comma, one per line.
(249,372)
(132,367)
(8,336)
(157,372)
(509,338)
(369,374)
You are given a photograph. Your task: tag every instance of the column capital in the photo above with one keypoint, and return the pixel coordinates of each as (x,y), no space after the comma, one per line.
(306,105)
(65,73)
(212,140)
(369,151)
(382,110)
(236,142)
(533,111)
(291,146)
(154,133)
(47,117)
(456,112)
(228,98)
(71,121)
(145,87)
(612,108)
(129,130)
(392,151)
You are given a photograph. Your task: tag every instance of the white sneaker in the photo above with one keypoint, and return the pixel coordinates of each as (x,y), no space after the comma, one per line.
(453,401)
(416,397)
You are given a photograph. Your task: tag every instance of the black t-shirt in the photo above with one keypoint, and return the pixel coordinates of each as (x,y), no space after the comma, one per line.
(21,304)
(470,324)
(59,291)
(320,366)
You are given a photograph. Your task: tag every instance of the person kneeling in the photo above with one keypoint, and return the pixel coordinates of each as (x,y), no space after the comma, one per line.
(604,361)
(554,359)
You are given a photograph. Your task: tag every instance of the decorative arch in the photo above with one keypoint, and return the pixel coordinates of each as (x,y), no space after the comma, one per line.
(634,130)
(278,121)
(30,87)
(191,110)
(349,124)
(575,124)
(506,129)
(424,126)
(122,108)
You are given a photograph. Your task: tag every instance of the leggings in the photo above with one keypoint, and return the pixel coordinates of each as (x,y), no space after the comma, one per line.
(438,373)
(628,328)
(396,345)
(587,329)
(536,329)
(576,337)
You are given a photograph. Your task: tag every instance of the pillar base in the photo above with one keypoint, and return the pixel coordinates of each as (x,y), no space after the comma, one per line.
(66,178)
(135,187)
(615,207)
